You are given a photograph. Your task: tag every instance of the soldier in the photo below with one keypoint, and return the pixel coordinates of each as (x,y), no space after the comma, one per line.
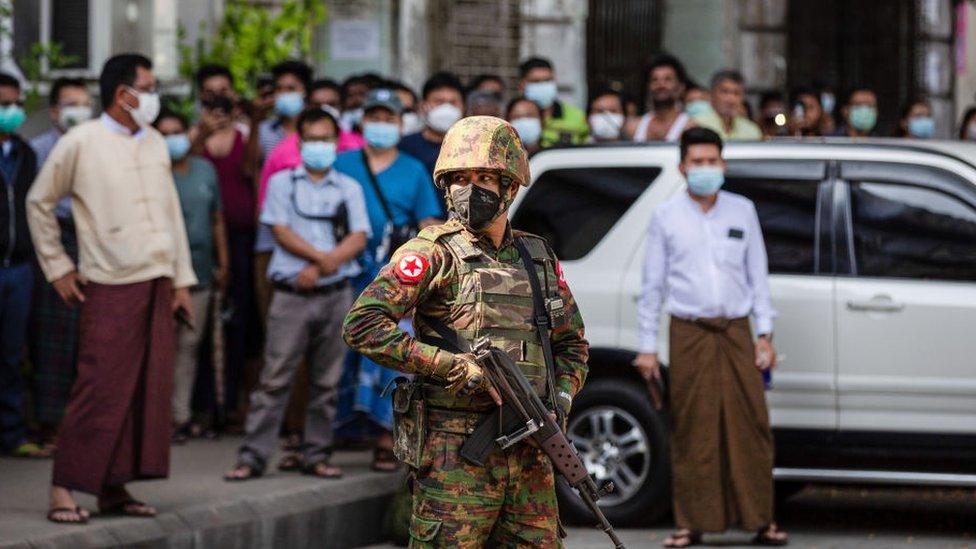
(467,274)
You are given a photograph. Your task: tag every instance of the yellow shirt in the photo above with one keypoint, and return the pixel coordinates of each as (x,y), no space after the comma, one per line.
(742,128)
(124,204)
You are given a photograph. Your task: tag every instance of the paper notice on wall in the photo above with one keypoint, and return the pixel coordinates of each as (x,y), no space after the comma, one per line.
(354,39)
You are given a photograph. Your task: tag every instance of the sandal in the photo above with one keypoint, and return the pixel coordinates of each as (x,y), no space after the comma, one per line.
(771,536)
(385,461)
(128,508)
(75,516)
(241,472)
(322,469)
(683,538)
(31,450)
(291,462)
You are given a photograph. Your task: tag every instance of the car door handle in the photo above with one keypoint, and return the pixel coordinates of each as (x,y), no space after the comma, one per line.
(876,305)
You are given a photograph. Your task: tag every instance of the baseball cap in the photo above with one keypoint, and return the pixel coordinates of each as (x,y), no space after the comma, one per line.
(383,97)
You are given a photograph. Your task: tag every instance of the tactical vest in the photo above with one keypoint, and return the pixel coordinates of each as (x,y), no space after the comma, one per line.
(494,299)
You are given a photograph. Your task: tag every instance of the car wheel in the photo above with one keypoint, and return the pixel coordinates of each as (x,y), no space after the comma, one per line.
(623,440)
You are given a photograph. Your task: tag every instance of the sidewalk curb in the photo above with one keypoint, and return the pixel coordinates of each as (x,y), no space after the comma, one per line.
(309,517)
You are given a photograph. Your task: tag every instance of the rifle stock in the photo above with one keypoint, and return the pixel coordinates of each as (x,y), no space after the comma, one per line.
(536,422)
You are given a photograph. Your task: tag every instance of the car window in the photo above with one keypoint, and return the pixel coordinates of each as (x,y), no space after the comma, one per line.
(573,208)
(907,231)
(787,212)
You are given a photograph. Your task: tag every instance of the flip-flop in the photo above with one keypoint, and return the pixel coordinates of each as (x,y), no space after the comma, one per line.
(312,470)
(683,539)
(763,538)
(30,450)
(253,472)
(78,512)
(127,508)
(385,461)
(291,462)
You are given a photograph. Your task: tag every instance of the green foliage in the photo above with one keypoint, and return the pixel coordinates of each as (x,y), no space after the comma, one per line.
(251,39)
(32,64)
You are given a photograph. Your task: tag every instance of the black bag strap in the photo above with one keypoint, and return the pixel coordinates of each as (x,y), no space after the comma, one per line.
(540,317)
(447,338)
(376,189)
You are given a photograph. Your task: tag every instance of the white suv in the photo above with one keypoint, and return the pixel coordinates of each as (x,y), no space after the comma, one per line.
(872,255)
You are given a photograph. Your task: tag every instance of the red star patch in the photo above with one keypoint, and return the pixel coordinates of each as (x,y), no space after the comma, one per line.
(411,268)
(562,279)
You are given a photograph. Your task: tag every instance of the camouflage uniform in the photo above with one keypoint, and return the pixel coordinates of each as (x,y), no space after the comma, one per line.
(454,275)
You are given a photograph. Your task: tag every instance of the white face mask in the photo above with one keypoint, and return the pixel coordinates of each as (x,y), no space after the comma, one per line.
(71,115)
(148,109)
(442,117)
(971,132)
(411,123)
(606,125)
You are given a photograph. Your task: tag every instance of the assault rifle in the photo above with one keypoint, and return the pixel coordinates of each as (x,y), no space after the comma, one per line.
(523,415)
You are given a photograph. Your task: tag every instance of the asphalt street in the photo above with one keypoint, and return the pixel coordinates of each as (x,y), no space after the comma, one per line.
(835,517)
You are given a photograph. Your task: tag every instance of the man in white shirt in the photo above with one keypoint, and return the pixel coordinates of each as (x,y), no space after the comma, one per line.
(706,260)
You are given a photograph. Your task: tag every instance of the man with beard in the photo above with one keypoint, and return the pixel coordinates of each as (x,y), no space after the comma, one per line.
(728,92)
(665,120)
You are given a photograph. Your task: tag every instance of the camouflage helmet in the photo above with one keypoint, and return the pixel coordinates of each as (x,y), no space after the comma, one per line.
(483,142)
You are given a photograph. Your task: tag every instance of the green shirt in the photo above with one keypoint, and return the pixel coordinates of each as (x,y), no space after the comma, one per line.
(568,128)
(199,199)
(742,128)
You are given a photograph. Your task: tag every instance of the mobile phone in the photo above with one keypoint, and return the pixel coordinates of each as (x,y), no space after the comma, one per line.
(184,319)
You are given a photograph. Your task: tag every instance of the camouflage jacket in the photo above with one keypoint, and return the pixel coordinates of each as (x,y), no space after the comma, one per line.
(422,277)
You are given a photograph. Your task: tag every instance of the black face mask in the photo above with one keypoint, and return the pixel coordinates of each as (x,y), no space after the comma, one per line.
(476,208)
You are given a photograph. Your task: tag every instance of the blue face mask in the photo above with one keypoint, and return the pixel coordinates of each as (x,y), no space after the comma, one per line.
(863,117)
(542,93)
(528,129)
(11,117)
(178,145)
(381,135)
(705,180)
(922,127)
(289,104)
(697,107)
(318,155)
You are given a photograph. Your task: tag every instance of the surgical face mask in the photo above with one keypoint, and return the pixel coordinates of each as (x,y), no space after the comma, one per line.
(528,129)
(862,117)
(318,155)
(922,127)
(476,207)
(350,119)
(71,115)
(289,104)
(381,135)
(411,123)
(442,117)
(606,125)
(11,117)
(542,93)
(705,180)
(697,107)
(148,109)
(828,102)
(178,145)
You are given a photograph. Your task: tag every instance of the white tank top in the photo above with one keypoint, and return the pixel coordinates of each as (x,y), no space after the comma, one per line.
(674,132)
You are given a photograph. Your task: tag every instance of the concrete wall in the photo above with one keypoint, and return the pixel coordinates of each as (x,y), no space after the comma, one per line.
(556,29)
(371,13)
(695,31)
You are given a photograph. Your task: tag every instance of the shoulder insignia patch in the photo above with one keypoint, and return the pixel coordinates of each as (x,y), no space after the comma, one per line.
(411,268)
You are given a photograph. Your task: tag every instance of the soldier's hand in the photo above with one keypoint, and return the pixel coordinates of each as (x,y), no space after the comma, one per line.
(466,377)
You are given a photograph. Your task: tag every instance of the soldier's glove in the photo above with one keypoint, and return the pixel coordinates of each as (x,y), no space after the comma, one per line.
(466,377)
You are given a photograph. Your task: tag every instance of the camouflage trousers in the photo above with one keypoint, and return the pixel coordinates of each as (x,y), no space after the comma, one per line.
(510,502)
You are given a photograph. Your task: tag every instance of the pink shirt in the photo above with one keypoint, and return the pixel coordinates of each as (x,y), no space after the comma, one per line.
(287,155)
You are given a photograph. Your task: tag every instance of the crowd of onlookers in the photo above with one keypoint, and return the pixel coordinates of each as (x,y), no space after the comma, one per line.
(289,201)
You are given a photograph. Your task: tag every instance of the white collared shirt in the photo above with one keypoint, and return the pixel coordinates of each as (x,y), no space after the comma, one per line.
(118,127)
(705,265)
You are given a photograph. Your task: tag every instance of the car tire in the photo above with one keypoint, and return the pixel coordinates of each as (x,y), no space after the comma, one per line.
(651,500)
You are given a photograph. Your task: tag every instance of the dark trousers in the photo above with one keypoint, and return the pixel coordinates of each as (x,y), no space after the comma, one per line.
(16,286)
(241,327)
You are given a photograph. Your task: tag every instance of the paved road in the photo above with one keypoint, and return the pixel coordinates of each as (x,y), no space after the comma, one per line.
(841,517)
